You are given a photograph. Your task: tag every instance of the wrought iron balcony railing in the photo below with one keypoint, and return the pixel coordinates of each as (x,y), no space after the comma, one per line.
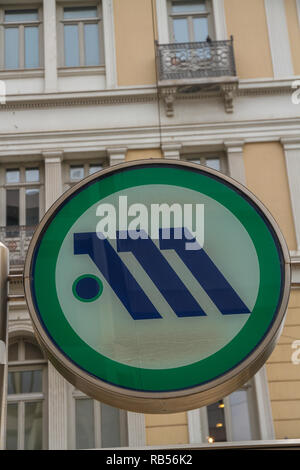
(195,60)
(17,240)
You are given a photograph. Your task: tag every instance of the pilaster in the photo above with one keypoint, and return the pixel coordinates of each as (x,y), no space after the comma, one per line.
(279,39)
(57,410)
(116,155)
(109,44)
(53,177)
(136,429)
(50,45)
(291,148)
(235,160)
(171,151)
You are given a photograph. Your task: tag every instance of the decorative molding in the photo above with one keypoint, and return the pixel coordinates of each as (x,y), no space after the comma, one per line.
(79,99)
(228,91)
(146,94)
(279,38)
(168,96)
(109,43)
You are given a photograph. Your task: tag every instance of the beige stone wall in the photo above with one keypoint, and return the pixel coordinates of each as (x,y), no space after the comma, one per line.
(284,376)
(134,33)
(294,33)
(266,177)
(246,21)
(167,429)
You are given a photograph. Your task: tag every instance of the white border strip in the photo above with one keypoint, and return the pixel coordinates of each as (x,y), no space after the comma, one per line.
(298,10)
(220,20)
(279,38)
(162,21)
(2,353)
(109,44)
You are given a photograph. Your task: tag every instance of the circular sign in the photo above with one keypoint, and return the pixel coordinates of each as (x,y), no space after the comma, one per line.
(157,286)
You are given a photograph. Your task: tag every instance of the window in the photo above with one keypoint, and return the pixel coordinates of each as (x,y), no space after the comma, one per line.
(23,197)
(190,21)
(75,172)
(232,419)
(22,38)
(26,402)
(96,425)
(82,36)
(216,161)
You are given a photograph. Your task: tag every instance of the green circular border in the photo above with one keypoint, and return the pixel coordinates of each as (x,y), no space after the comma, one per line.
(152,380)
(100,283)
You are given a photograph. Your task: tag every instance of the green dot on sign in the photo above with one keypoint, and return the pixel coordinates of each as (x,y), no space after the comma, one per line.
(87,288)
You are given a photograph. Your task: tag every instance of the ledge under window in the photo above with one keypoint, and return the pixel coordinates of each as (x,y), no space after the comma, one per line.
(85,70)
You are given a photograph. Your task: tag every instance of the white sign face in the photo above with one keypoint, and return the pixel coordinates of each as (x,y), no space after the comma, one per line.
(157,285)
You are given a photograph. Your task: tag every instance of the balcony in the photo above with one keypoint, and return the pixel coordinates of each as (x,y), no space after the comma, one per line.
(17,240)
(196,67)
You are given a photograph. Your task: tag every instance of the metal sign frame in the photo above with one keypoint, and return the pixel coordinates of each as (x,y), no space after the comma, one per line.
(170,401)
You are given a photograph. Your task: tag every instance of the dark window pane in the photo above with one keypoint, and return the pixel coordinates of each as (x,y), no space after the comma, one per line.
(11,48)
(32,352)
(32,207)
(33,425)
(31,47)
(85,430)
(27,381)
(12,207)
(21,15)
(12,426)
(80,12)
(110,426)
(13,352)
(216,422)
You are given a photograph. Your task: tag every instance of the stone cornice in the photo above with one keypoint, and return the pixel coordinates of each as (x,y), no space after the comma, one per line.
(139,94)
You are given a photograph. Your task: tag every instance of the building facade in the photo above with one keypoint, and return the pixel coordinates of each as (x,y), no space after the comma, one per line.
(88,84)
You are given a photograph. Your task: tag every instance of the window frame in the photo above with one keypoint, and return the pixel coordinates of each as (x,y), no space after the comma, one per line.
(22,185)
(202,157)
(190,16)
(20,365)
(75,394)
(253,415)
(21,26)
(67,182)
(61,21)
